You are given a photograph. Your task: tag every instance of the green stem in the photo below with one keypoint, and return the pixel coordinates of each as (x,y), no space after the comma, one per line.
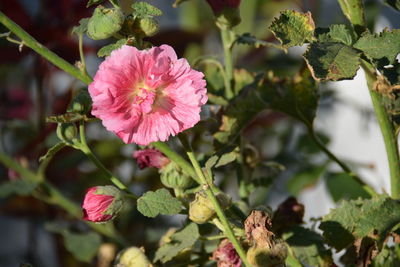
(82,56)
(211,195)
(387,129)
(88,152)
(178,159)
(43,51)
(226,36)
(343,165)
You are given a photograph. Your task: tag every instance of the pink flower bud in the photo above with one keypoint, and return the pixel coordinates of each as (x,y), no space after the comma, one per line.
(102,203)
(226,255)
(150,158)
(219,5)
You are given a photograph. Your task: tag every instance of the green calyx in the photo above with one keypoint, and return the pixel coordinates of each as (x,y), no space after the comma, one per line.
(133,257)
(201,209)
(104,23)
(172,176)
(66,132)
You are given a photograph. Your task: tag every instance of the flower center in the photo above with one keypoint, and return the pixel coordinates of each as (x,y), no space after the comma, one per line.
(145,97)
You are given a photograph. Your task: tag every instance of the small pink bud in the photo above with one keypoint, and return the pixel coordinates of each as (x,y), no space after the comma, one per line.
(150,158)
(226,255)
(102,203)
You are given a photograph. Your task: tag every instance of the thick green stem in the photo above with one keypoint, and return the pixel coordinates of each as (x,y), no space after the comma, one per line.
(220,213)
(30,42)
(226,36)
(387,129)
(88,152)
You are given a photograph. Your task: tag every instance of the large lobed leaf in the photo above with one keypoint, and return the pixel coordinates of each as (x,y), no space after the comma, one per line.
(181,240)
(161,201)
(293,28)
(332,61)
(356,219)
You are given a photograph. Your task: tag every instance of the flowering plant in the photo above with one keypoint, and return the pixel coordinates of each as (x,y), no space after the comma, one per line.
(203,145)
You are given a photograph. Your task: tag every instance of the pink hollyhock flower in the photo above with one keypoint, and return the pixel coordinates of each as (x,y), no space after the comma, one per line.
(219,5)
(101,203)
(147,95)
(150,158)
(226,255)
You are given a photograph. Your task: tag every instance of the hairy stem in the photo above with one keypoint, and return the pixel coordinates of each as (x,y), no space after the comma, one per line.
(30,42)
(226,36)
(387,129)
(211,195)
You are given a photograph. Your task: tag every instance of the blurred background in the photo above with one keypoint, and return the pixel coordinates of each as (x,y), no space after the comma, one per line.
(32,89)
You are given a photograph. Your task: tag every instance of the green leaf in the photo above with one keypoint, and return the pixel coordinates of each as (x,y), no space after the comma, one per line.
(217,100)
(354,11)
(104,23)
(106,50)
(83,246)
(159,202)
(336,33)
(296,96)
(143,9)
(293,28)
(304,179)
(23,187)
(82,27)
(308,247)
(227,158)
(356,219)
(181,240)
(393,3)
(388,257)
(342,186)
(382,47)
(94,2)
(332,61)
(52,151)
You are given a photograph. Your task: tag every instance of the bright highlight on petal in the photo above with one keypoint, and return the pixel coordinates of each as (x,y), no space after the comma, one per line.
(145,96)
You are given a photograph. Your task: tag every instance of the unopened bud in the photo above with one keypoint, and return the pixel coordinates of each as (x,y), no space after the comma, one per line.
(173,177)
(66,131)
(102,203)
(201,210)
(267,256)
(148,26)
(104,23)
(81,103)
(226,12)
(132,257)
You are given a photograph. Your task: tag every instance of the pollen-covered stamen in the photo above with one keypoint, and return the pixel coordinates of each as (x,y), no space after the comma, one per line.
(145,99)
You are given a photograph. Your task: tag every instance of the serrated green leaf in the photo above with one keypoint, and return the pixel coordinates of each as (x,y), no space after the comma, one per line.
(181,240)
(104,23)
(360,218)
(82,27)
(106,50)
(227,158)
(143,9)
(383,47)
(52,151)
(83,246)
(343,186)
(304,179)
(332,61)
(308,247)
(393,3)
(293,28)
(296,96)
(336,33)
(211,162)
(161,201)
(94,2)
(23,187)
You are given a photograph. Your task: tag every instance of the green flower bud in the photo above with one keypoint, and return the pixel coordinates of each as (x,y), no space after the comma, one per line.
(202,210)
(66,131)
(105,22)
(228,18)
(132,257)
(172,176)
(81,103)
(145,26)
(266,256)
